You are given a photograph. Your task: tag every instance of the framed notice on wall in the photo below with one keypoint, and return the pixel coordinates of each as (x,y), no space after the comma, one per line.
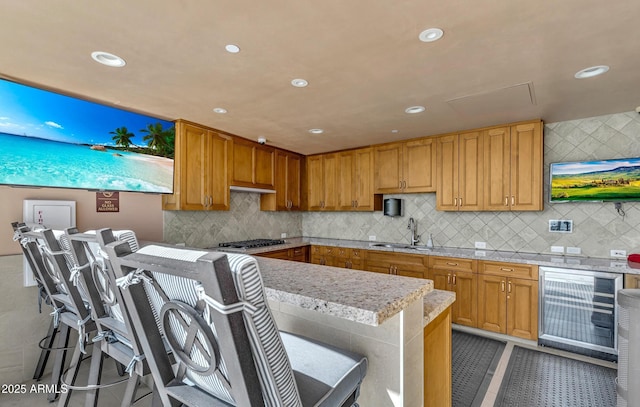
(107,201)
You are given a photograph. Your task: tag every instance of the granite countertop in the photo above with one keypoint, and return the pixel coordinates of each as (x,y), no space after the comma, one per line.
(435,303)
(573,262)
(360,296)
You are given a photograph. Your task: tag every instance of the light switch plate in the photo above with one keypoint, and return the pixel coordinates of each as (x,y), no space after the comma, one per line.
(574,250)
(372,238)
(618,253)
(557,249)
(283,235)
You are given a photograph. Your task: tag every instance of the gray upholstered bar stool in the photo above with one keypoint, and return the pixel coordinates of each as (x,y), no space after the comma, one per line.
(212,310)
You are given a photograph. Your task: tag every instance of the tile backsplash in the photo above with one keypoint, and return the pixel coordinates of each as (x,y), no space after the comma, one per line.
(597,226)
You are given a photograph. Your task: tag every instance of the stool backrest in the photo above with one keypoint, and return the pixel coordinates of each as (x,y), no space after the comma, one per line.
(212,311)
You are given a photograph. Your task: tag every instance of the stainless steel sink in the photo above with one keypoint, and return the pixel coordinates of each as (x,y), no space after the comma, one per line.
(400,246)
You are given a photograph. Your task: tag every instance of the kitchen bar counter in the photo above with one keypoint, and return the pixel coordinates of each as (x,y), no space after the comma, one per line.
(577,262)
(367,298)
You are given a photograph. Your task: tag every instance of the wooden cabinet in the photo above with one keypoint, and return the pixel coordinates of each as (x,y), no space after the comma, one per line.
(508,299)
(338,257)
(405,167)
(437,361)
(408,265)
(300,254)
(513,167)
(322,191)
(459,276)
(632,281)
(288,184)
(459,180)
(202,169)
(253,165)
(355,181)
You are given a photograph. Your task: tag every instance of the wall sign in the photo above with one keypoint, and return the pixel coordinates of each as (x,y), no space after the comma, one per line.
(107,201)
(561,226)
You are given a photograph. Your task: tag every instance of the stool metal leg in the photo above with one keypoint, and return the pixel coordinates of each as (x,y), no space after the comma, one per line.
(58,366)
(44,354)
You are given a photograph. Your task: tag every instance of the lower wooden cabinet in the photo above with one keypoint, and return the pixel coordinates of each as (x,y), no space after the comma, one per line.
(437,361)
(459,276)
(632,281)
(300,254)
(506,304)
(408,265)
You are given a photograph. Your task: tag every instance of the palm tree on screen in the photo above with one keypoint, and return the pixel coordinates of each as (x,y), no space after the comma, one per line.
(122,137)
(156,137)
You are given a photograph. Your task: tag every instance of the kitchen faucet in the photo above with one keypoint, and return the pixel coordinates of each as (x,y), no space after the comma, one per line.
(413,227)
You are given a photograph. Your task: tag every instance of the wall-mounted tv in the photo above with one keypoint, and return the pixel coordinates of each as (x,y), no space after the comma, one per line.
(607,180)
(51,140)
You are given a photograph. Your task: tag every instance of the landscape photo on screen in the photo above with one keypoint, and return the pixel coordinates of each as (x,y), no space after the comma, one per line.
(606,180)
(52,140)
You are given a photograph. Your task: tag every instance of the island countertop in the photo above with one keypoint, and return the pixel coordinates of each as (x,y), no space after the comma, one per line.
(360,296)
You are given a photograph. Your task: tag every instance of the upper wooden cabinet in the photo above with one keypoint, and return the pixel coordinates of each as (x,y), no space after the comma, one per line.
(322,190)
(513,159)
(405,167)
(288,178)
(253,165)
(202,169)
(459,179)
(355,181)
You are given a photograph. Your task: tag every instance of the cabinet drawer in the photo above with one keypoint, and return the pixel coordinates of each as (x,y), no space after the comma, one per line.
(452,264)
(342,252)
(528,271)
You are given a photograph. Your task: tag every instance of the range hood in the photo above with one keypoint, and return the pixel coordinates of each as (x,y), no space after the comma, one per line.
(247,189)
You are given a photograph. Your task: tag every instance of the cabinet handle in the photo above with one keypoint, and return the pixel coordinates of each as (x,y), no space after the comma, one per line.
(395,270)
(502,286)
(461,202)
(451,264)
(506,201)
(509,289)
(455,201)
(400,184)
(454,279)
(356,203)
(448,278)
(506,269)
(390,269)
(513,200)
(404,184)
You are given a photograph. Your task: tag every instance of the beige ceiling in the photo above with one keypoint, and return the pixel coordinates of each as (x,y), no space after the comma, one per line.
(499,61)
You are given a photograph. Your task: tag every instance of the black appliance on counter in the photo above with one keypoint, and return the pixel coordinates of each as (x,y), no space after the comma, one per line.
(252,244)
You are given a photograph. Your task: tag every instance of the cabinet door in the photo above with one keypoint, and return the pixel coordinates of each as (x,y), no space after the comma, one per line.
(470,171)
(345,181)
(242,173)
(363,179)
(419,165)
(315,182)
(526,167)
(522,308)
(281,184)
(631,281)
(388,168)
(263,166)
(294,185)
(195,177)
(465,307)
(492,303)
(219,171)
(497,169)
(330,178)
(441,280)
(447,173)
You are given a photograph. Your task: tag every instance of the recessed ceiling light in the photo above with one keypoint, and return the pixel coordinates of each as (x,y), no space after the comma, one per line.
(108,59)
(232,48)
(431,34)
(414,109)
(394,131)
(316,131)
(299,83)
(220,110)
(591,71)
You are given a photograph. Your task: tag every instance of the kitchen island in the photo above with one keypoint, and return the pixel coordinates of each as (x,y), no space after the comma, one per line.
(380,316)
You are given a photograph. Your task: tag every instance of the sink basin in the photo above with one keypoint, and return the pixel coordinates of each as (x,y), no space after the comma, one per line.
(393,245)
(400,246)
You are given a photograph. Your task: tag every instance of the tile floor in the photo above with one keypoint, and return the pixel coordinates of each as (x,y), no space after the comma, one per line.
(496,381)
(112,396)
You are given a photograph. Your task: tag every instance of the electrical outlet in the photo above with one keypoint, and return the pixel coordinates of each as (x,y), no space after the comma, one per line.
(481,245)
(372,238)
(618,253)
(283,235)
(557,249)
(574,250)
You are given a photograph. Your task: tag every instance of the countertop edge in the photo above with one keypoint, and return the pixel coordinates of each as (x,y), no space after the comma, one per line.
(435,303)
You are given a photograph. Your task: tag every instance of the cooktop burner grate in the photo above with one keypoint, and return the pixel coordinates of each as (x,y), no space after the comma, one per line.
(250,244)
